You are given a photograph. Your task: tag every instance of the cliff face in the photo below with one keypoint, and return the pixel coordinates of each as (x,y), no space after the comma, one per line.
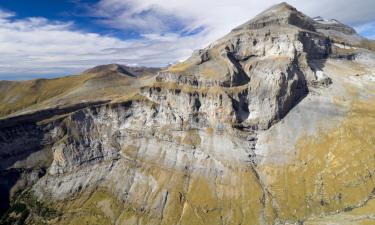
(271,124)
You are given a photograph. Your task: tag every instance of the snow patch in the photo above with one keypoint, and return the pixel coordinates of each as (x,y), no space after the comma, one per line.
(322,20)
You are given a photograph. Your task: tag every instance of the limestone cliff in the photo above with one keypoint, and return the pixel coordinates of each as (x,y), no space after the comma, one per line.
(271,124)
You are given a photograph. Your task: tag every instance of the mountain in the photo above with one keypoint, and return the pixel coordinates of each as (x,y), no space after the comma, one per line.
(101,83)
(271,124)
(122,69)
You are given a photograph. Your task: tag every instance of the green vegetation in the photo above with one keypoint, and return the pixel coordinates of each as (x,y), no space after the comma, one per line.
(26,209)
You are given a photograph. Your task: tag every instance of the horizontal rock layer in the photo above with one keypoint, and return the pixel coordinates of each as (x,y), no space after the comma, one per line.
(233,135)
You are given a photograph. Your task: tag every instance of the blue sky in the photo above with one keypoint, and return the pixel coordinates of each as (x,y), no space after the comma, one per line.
(77,11)
(49,38)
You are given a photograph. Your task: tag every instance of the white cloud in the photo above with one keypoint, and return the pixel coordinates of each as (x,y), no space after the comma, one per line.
(39,46)
(36,47)
(219,16)
(5,14)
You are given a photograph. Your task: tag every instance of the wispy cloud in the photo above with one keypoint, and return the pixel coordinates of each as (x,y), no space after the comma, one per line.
(37,47)
(218,16)
(5,14)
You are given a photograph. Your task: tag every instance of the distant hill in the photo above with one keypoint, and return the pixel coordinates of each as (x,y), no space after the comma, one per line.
(99,83)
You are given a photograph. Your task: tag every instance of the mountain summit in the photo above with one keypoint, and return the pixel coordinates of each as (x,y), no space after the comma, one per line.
(274,53)
(271,124)
(122,70)
(281,14)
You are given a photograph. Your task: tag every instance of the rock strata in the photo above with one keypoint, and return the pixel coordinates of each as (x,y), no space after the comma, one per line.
(232,135)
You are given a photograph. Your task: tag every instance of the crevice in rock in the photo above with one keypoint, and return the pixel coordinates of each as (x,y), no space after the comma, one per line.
(241,106)
(239,77)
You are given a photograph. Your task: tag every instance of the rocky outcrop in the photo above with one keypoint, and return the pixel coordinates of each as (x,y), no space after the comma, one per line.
(269,57)
(279,15)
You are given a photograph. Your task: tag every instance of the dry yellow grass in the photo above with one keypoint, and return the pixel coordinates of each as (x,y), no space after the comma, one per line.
(19,95)
(332,171)
(364,215)
(179,67)
(192,138)
(368,44)
(97,208)
(44,93)
(193,199)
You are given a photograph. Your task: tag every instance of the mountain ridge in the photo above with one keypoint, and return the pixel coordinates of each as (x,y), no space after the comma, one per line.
(20,95)
(280,14)
(271,124)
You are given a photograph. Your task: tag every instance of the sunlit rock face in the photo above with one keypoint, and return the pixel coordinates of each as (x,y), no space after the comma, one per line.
(271,124)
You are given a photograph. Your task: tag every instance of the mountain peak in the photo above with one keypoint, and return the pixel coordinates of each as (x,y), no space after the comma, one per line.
(110,68)
(280,14)
(123,70)
(281,6)
(332,25)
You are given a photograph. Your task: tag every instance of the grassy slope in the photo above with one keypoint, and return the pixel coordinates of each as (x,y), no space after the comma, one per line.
(334,170)
(198,204)
(16,96)
(322,179)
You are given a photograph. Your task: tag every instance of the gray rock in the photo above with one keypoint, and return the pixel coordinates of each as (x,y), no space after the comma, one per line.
(200,117)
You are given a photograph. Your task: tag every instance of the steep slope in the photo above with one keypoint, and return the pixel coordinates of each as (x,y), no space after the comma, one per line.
(271,124)
(269,58)
(342,34)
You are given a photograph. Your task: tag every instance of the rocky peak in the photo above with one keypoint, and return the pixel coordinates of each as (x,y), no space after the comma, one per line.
(339,32)
(321,23)
(270,54)
(281,14)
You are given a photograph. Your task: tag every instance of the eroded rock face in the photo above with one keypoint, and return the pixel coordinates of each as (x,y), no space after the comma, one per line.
(268,57)
(217,139)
